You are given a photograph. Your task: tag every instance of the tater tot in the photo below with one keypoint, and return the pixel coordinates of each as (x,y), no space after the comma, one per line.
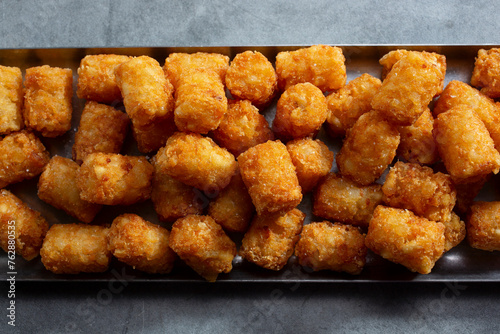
(196,161)
(47,100)
(242,127)
(177,64)
(271,239)
(22,156)
(11,99)
(269,174)
(408,89)
(459,93)
(21,229)
(114,179)
(102,129)
(321,65)
(57,187)
(202,244)
(141,244)
(465,146)
(251,76)
(173,199)
(312,160)
(417,142)
(454,232)
(417,188)
(483,226)
(300,112)
(400,236)
(369,148)
(75,248)
(96,78)
(339,199)
(467,192)
(327,246)
(155,136)
(147,93)
(232,208)
(200,101)
(486,73)
(348,103)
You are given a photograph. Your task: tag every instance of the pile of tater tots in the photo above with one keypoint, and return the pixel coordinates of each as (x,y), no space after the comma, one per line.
(414,155)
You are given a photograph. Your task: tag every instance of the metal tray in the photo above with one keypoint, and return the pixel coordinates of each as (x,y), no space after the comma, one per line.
(462,263)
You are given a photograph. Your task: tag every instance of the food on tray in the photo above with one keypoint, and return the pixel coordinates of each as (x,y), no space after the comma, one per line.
(141,244)
(196,161)
(466,192)
(75,248)
(269,174)
(368,149)
(300,112)
(114,179)
(271,239)
(21,229)
(22,156)
(408,88)
(102,129)
(465,145)
(11,99)
(417,142)
(341,200)
(178,63)
(328,246)
(312,160)
(96,78)
(400,236)
(486,72)
(251,76)
(417,188)
(242,127)
(202,244)
(232,208)
(349,102)
(48,100)
(321,65)
(454,231)
(483,225)
(57,187)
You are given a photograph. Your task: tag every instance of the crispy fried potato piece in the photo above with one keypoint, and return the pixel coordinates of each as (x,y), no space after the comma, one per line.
(417,142)
(369,148)
(114,179)
(408,88)
(11,99)
(202,244)
(22,156)
(177,64)
(21,229)
(242,127)
(102,129)
(155,136)
(327,246)
(348,103)
(196,161)
(96,78)
(48,100)
(467,192)
(271,239)
(454,232)
(232,208)
(339,199)
(300,112)
(483,226)
(312,160)
(269,174)
(486,73)
(417,188)
(75,248)
(321,65)
(57,187)
(400,236)
(251,76)
(465,145)
(141,244)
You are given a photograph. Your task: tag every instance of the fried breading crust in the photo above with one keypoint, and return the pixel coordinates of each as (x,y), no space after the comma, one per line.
(483,226)
(486,73)
(454,232)
(11,99)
